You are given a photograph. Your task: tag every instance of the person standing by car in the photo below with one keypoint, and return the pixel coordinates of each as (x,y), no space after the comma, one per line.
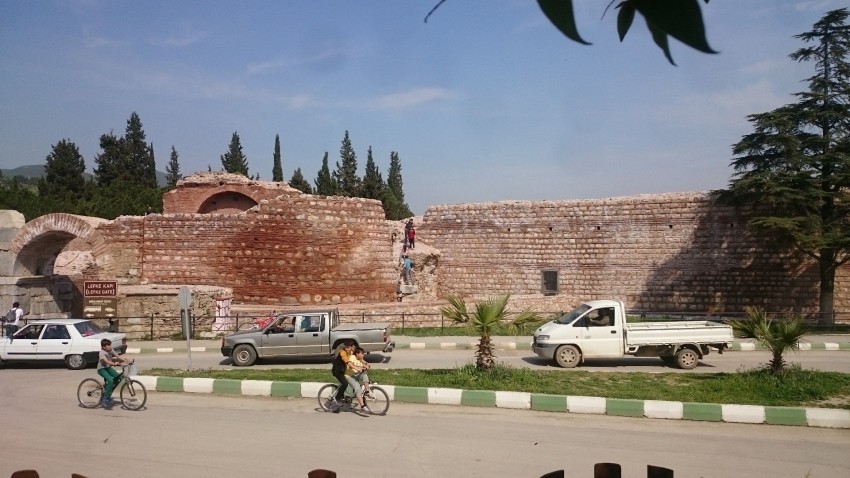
(14,319)
(107,359)
(340,363)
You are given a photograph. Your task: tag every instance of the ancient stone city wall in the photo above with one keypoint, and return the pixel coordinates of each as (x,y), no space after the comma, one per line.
(292,250)
(668,252)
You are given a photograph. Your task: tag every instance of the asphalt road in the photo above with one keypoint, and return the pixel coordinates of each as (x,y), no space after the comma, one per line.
(217,436)
(836,361)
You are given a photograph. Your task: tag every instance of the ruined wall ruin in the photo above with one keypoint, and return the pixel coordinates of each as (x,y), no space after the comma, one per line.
(667,252)
(295,249)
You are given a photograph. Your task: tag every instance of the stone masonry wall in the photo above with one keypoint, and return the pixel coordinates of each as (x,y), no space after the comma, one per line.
(295,249)
(668,252)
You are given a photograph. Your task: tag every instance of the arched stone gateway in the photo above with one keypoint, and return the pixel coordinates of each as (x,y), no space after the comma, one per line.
(39,242)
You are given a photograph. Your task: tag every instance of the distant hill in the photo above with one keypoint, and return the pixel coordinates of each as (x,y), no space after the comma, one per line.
(37,171)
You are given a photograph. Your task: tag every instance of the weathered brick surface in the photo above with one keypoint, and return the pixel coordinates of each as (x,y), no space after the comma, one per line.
(296,249)
(660,252)
(668,252)
(221,193)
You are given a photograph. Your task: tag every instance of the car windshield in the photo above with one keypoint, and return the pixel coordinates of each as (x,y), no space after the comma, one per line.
(87,328)
(570,317)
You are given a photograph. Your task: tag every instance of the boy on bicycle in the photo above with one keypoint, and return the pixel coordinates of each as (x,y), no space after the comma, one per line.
(107,359)
(340,364)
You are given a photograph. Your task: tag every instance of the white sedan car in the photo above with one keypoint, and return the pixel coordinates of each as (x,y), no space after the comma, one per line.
(76,341)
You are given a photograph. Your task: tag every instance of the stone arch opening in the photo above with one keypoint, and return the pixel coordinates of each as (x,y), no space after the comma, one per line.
(39,242)
(226,202)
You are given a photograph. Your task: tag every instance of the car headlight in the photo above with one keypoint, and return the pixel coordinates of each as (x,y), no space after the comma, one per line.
(542,338)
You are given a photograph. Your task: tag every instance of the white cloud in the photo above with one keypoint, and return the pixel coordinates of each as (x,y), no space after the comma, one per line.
(410,98)
(185,38)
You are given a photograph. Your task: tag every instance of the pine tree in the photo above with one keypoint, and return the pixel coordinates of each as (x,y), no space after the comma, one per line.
(346,170)
(234,161)
(277,168)
(63,183)
(325,183)
(793,171)
(108,160)
(394,204)
(298,182)
(137,161)
(172,170)
(373,184)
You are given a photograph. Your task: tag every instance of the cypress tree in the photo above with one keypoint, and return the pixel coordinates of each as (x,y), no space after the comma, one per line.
(348,182)
(373,185)
(172,170)
(277,167)
(396,208)
(298,182)
(325,183)
(234,161)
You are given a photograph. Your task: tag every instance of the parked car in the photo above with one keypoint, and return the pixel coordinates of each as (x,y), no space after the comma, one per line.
(303,333)
(75,341)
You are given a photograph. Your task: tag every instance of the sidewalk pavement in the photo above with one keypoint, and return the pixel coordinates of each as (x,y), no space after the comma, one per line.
(814,342)
(658,409)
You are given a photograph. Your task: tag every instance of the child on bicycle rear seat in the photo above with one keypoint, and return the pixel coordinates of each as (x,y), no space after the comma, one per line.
(357,363)
(351,373)
(107,359)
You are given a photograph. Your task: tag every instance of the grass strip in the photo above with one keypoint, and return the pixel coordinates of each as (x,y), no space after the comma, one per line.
(793,388)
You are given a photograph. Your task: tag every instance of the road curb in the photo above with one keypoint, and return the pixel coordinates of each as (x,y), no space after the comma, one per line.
(653,409)
(736,347)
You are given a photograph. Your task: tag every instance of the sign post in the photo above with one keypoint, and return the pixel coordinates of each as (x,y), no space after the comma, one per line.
(184,297)
(100,301)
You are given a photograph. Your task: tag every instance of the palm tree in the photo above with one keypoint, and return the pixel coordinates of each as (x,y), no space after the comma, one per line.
(487,319)
(776,336)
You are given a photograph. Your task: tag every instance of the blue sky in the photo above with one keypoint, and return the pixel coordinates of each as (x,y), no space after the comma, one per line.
(485,102)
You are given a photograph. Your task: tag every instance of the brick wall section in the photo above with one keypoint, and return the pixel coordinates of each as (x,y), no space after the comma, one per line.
(659,252)
(194,192)
(294,249)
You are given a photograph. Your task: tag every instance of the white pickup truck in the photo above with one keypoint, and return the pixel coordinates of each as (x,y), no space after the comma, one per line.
(598,329)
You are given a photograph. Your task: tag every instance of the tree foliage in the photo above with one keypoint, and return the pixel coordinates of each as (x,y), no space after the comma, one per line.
(395,206)
(345,175)
(128,159)
(325,183)
(372,186)
(172,170)
(298,182)
(277,167)
(234,160)
(63,182)
(680,19)
(488,318)
(778,336)
(793,170)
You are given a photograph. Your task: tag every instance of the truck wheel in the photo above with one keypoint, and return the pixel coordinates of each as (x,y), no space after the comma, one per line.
(567,356)
(687,359)
(244,355)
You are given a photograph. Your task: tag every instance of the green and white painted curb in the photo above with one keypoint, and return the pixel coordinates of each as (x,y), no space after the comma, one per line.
(737,347)
(712,412)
